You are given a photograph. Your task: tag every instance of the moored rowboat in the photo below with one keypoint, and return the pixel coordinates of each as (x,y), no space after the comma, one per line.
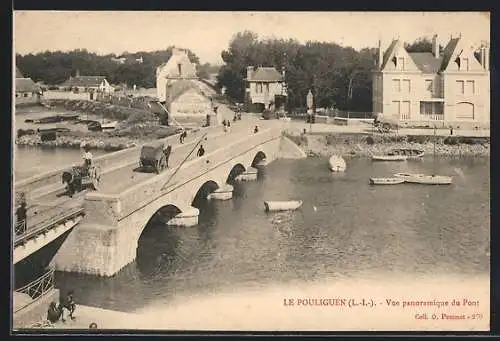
(409,153)
(386,181)
(273,206)
(337,164)
(389,157)
(425,179)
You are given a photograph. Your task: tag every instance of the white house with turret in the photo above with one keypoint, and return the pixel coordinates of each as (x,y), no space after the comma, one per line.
(451,87)
(178,67)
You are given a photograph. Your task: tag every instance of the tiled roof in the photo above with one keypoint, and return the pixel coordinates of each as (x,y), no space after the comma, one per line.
(266,74)
(85,81)
(426,61)
(448,52)
(18,73)
(26,85)
(179,87)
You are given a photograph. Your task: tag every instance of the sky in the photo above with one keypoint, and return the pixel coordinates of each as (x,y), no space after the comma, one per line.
(208,33)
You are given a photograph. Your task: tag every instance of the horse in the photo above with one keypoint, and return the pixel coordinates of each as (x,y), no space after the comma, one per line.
(74,183)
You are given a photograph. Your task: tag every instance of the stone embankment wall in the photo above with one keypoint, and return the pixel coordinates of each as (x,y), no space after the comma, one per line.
(361,145)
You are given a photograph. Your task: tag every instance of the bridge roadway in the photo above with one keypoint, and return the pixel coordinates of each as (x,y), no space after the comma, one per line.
(48,207)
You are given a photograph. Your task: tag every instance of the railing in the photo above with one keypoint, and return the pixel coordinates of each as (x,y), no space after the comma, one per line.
(37,288)
(44,226)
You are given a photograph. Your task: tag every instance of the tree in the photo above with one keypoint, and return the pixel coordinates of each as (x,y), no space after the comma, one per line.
(56,67)
(325,68)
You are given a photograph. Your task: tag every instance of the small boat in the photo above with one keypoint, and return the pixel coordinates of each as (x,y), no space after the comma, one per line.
(337,164)
(68,117)
(389,157)
(409,153)
(109,125)
(386,181)
(425,179)
(273,206)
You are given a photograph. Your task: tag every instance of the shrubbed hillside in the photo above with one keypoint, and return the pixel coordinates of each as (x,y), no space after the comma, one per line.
(53,68)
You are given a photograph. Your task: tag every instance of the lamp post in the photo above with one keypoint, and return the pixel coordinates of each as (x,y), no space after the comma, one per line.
(310,102)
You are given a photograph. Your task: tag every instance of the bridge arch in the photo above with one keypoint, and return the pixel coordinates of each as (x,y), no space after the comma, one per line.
(258,158)
(235,171)
(203,192)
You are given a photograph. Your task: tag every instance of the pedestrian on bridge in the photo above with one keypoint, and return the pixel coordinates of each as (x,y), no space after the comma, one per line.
(201,151)
(228,126)
(21,219)
(183,136)
(256,129)
(167,152)
(87,157)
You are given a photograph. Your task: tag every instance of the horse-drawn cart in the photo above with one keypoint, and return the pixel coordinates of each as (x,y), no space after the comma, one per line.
(81,177)
(153,156)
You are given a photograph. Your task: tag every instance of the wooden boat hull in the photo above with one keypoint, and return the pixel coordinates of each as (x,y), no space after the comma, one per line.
(425,179)
(386,181)
(337,164)
(109,125)
(389,158)
(411,154)
(274,206)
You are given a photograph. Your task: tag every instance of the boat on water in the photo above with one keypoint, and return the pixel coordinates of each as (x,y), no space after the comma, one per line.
(411,154)
(425,179)
(273,206)
(389,157)
(109,125)
(336,163)
(386,181)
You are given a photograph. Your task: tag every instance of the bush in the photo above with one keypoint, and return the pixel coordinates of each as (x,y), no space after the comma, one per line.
(421,139)
(451,140)
(369,140)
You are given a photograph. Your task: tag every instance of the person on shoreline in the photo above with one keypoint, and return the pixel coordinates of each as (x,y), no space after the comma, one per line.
(69,304)
(201,151)
(451,130)
(54,313)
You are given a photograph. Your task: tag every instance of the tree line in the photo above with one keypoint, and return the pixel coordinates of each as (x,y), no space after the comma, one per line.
(53,68)
(326,69)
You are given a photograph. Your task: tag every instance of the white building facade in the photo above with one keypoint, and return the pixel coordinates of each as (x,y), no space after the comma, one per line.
(449,88)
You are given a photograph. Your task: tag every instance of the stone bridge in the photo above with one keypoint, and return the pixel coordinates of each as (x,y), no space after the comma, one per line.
(106,240)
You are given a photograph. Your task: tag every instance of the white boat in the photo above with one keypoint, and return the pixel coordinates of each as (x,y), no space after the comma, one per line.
(109,125)
(387,181)
(337,164)
(425,179)
(389,157)
(273,206)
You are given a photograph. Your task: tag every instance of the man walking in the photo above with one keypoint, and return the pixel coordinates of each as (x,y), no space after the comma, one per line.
(87,157)
(167,153)
(201,151)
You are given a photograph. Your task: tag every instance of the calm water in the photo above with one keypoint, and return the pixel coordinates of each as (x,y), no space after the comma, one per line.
(32,160)
(346,229)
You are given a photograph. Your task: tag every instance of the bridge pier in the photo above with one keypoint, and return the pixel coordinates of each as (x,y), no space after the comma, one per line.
(188,217)
(224,192)
(249,175)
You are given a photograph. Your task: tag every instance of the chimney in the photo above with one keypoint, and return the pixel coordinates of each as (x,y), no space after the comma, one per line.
(435,46)
(487,58)
(380,54)
(249,72)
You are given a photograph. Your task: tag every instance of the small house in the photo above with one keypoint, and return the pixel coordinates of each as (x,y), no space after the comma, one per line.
(265,88)
(92,84)
(27,91)
(185,99)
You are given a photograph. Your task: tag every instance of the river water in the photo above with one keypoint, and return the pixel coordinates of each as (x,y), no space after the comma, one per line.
(345,233)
